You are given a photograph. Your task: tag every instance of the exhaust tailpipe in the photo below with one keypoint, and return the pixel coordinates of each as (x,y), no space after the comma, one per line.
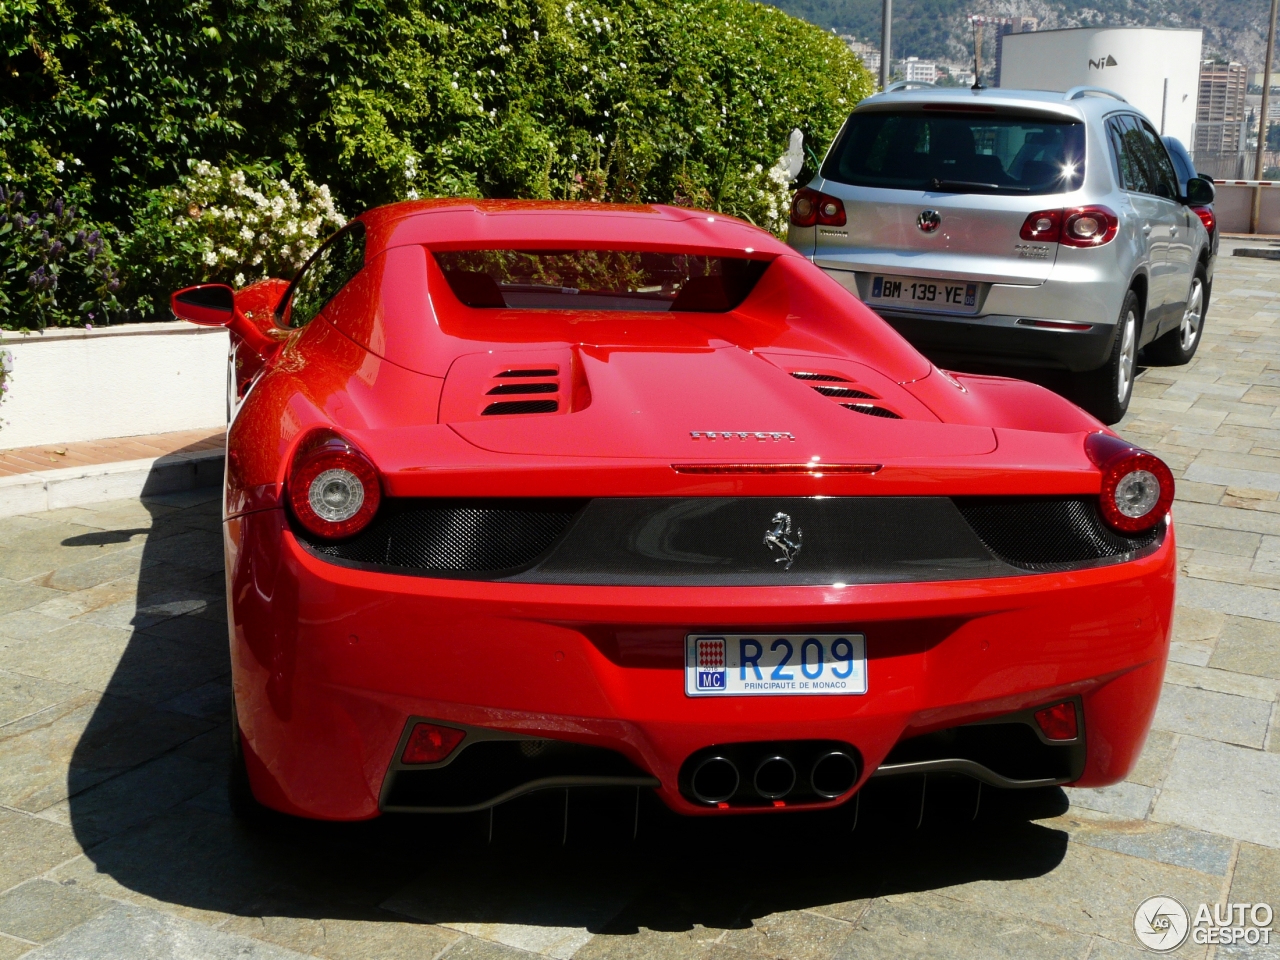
(775,777)
(715,780)
(833,774)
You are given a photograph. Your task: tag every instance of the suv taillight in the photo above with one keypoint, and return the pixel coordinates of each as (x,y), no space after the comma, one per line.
(1075,226)
(809,208)
(1207,218)
(1089,226)
(334,490)
(1043,225)
(1137,487)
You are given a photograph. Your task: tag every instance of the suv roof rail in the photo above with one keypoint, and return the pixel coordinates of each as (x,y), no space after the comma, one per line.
(904,84)
(1075,93)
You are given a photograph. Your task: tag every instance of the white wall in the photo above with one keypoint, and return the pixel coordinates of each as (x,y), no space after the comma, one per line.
(73,384)
(1144,58)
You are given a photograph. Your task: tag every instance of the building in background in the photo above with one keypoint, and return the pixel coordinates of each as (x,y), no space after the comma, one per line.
(866,52)
(1003,29)
(1220,114)
(917,70)
(1156,70)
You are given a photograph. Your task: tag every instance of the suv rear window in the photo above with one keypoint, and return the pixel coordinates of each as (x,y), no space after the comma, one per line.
(599,279)
(957,152)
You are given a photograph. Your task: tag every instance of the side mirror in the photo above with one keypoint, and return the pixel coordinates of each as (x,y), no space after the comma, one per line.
(209,304)
(214,305)
(1199,192)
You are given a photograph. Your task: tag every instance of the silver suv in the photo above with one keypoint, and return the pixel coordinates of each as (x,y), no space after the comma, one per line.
(1018,228)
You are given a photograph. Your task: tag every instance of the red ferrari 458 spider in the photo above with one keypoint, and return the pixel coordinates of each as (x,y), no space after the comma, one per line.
(534,495)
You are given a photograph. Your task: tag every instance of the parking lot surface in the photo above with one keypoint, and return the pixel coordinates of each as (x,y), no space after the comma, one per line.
(116,841)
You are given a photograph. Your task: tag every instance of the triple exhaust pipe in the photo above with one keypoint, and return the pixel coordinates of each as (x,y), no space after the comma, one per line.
(716,777)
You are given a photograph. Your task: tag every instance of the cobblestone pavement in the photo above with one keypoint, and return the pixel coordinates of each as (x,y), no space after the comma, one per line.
(115,840)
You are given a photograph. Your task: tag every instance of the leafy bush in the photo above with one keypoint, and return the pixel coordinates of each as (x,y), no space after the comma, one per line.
(55,266)
(687,101)
(220,225)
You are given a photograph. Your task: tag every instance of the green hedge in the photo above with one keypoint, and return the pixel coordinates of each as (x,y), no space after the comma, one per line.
(689,102)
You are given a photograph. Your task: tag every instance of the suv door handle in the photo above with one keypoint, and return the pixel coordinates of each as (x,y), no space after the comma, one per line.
(1146,229)
(1173,231)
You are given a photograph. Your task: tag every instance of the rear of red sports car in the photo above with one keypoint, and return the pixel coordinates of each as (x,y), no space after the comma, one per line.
(525,496)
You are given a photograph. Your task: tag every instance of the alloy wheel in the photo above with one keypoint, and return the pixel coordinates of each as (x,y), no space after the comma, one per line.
(1128,356)
(1192,316)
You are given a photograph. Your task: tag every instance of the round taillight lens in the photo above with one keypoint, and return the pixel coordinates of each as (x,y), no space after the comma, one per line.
(334,489)
(804,208)
(1043,224)
(1137,487)
(1086,227)
(830,208)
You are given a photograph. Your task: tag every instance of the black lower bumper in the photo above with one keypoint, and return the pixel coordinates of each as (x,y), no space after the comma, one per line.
(952,342)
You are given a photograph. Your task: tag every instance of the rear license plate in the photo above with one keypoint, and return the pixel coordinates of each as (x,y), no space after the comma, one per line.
(738,665)
(925,294)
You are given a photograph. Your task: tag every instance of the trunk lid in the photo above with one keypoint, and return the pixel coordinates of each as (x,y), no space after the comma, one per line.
(718,404)
(977,237)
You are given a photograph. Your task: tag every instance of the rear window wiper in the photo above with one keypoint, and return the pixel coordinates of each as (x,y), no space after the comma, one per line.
(962,186)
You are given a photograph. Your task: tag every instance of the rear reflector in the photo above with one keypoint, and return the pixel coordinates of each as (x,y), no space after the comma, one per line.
(1054,324)
(1059,721)
(431,743)
(794,469)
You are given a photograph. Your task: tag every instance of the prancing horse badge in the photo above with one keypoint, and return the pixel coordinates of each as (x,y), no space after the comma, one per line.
(780,537)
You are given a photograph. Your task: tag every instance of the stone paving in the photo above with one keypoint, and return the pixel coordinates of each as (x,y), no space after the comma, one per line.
(115,838)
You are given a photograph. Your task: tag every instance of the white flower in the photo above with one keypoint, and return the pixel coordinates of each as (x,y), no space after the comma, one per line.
(504,33)
(535,36)
(412,194)
(59,166)
(246,233)
(239,280)
(211,258)
(454,84)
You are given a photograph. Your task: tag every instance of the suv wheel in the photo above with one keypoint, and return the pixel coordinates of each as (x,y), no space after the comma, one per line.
(1105,392)
(1178,346)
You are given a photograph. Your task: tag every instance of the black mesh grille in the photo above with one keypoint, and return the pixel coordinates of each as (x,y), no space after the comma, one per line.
(1038,533)
(503,407)
(443,537)
(524,388)
(871,410)
(717,541)
(825,377)
(848,392)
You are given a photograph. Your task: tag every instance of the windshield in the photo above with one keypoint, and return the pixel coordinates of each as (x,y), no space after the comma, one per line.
(957,152)
(599,279)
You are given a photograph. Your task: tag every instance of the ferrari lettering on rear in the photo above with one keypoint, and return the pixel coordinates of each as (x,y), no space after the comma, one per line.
(742,435)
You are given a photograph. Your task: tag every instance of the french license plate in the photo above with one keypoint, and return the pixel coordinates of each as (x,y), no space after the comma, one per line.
(928,294)
(738,665)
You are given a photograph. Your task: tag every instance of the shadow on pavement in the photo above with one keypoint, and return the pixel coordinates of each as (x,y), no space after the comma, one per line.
(148,804)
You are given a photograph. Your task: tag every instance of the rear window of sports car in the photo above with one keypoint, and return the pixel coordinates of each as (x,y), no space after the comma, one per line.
(956,152)
(599,279)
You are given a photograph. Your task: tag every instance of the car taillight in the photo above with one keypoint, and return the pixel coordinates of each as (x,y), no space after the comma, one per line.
(1043,225)
(1137,487)
(809,207)
(1059,721)
(431,743)
(334,489)
(1088,226)
(1207,218)
(1075,226)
